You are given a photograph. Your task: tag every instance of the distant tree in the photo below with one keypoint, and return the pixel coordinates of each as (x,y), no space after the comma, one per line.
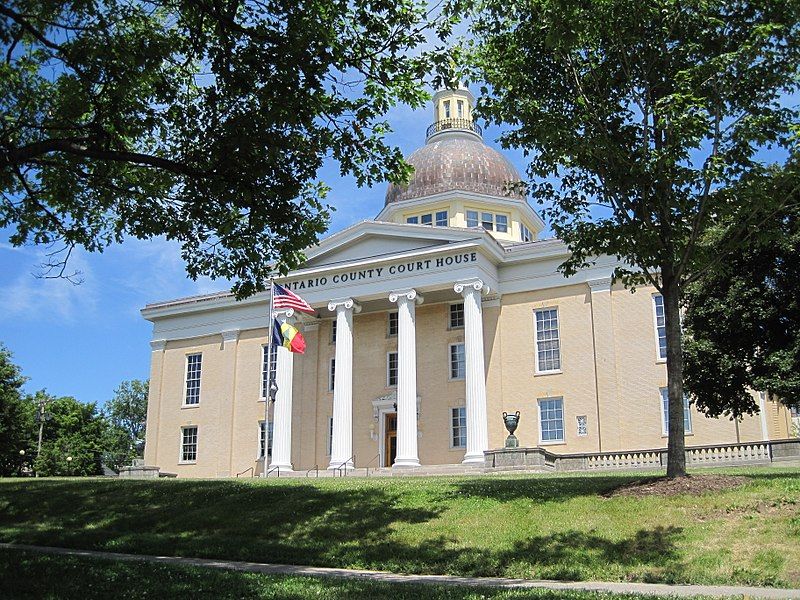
(73,439)
(742,322)
(651,116)
(16,418)
(204,121)
(126,413)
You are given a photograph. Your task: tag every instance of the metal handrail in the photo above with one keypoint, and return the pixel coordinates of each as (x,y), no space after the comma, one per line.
(314,468)
(277,470)
(372,460)
(445,124)
(342,468)
(252,472)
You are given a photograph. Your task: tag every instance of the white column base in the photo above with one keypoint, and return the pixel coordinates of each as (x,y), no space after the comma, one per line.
(473,459)
(285,468)
(406,463)
(347,467)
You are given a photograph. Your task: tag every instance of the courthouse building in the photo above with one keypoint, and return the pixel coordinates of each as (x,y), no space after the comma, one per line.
(431,320)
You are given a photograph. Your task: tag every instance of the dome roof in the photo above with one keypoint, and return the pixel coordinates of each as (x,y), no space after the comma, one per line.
(457,162)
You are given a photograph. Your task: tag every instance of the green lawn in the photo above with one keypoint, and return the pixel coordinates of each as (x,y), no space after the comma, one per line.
(30,575)
(544,526)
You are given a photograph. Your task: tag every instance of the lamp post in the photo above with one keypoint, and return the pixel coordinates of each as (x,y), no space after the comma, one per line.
(69,466)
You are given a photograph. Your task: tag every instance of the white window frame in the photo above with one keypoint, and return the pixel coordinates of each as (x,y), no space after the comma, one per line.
(331,373)
(389,383)
(659,358)
(450,315)
(663,398)
(460,109)
(329,447)
(429,217)
(451,363)
(260,437)
(477,219)
(389,323)
(537,369)
(490,221)
(334,324)
(497,223)
(186,381)
(453,410)
(525,234)
(181,460)
(437,221)
(265,382)
(413,220)
(542,441)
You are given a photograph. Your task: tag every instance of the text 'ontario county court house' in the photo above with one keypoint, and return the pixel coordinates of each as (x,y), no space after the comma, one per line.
(432,320)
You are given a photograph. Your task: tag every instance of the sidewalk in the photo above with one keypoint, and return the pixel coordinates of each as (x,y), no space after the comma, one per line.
(651,589)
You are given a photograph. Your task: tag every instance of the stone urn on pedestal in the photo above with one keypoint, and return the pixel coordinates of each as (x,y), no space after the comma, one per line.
(511,422)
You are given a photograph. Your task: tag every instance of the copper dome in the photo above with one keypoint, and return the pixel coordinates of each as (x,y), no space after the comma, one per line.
(457,162)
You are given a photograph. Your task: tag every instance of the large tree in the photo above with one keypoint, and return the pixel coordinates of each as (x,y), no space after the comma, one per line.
(204,121)
(647,124)
(16,418)
(742,322)
(126,414)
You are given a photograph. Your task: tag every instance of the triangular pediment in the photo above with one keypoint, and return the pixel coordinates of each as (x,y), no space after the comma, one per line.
(373,240)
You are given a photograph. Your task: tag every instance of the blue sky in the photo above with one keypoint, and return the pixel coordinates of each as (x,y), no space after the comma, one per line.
(83,340)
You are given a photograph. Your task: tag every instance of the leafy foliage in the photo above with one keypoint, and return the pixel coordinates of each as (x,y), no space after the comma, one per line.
(203,121)
(743,324)
(72,439)
(16,417)
(126,414)
(647,125)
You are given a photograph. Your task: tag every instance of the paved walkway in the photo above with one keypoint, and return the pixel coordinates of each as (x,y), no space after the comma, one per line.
(652,589)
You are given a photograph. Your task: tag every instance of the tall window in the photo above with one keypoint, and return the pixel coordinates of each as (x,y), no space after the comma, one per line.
(194,363)
(458,427)
(441,218)
(661,326)
(392,324)
(501,221)
(527,236)
(334,324)
(551,419)
(472,218)
(391,369)
(548,345)
(460,108)
(331,374)
(330,435)
(458,367)
(446,104)
(687,415)
(266,374)
(457,315)
(262,438)
(188,444)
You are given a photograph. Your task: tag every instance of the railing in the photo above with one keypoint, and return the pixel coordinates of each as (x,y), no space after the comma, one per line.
(342,468)
(276,469)
(314,468)
(624,460)
(445,124)
(372,460)
(252,472)
(729,453)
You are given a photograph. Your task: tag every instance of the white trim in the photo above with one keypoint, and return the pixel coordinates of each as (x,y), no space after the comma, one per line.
(762,409)
(397,366)
(563,439)
(450,410)
(196,449)
(389,334)
(450,304)
(450,361)
(331,373)
(536,369)
(687,411)
(653,296)
(186,380)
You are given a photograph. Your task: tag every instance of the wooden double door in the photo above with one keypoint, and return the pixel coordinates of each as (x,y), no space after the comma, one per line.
(390,439)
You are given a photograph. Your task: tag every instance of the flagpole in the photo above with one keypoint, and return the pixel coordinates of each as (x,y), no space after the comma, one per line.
(270,382)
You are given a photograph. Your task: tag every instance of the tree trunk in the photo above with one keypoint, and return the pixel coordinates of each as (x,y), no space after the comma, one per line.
(676,446)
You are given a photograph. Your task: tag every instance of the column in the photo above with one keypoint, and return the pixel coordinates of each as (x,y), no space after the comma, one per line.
(407,455)
(477,426)
(154,404)
(282,411)
(342,442)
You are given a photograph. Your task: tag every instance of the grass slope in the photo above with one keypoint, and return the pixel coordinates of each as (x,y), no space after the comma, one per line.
(553,526)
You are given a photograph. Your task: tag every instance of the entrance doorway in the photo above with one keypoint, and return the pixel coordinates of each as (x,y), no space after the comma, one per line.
(390,440)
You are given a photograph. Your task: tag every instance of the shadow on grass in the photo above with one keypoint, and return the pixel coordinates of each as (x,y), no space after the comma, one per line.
(345,525)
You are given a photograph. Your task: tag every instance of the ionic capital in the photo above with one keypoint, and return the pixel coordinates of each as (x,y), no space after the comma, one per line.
(283,313)
(465,286)
(409,294)
(338,304)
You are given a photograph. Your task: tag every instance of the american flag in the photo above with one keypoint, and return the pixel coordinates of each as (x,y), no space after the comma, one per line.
(283,298)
